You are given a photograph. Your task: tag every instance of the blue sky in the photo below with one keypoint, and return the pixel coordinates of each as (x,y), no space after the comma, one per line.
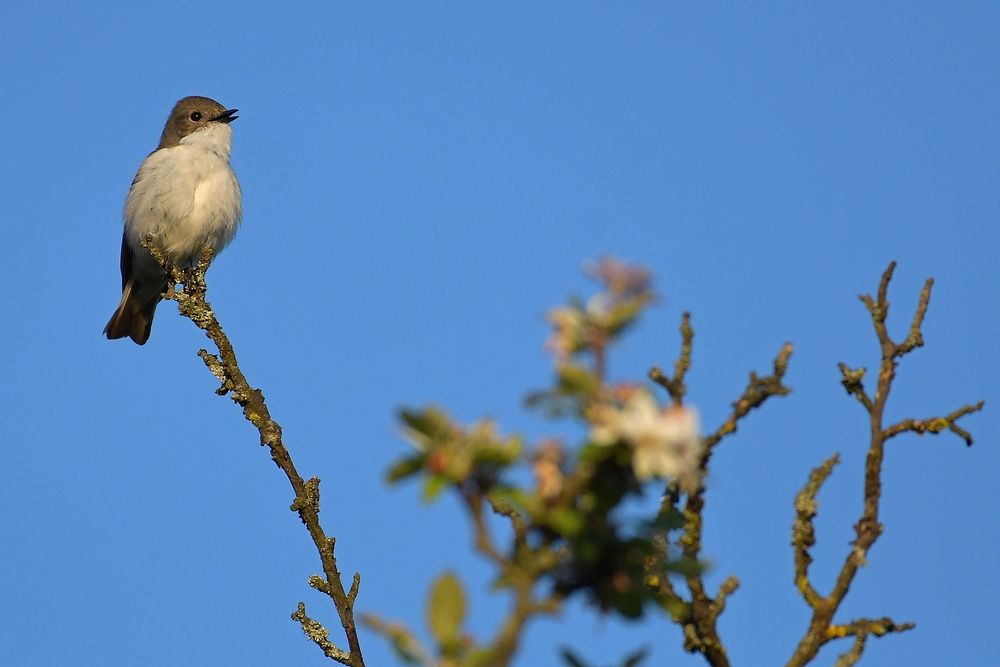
(421,182)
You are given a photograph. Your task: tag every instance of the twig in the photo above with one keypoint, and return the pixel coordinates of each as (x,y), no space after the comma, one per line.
(803,532)
(524,568)
(525,606)
(320,636)
(484,542)
(191,303)
(504,508)
(758,390)
(868,529)
(860,630)
(937,424)
(699,616)
(675,385)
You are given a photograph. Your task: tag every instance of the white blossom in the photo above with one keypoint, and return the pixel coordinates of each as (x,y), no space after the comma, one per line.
(666,442)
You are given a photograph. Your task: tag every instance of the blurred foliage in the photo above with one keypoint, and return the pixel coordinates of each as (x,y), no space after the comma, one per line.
(631,660)
(568,535)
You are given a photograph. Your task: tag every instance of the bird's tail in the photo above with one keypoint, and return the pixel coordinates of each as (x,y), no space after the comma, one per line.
(133,317)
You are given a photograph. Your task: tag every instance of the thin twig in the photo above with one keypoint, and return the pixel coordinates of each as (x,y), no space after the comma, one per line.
(868,529)
(191,303)
(699,616)
(937,424)
(675,385)
(853,384)
(803,531)
(758,390)
(484,541)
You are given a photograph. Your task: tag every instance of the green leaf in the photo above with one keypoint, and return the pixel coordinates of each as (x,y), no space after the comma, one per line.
(433,487)
(587,551)
(479,658)
(432,423)
(668,519)
(686,567)
(672,519)
(406,467)
(407,648)
(625,314)
(499,503)
(572,659)
(567,522)
(446,608)
(529,502)
(679,610)
(500,453)
(635,658)
(629,605)
(578,380)
(595,453)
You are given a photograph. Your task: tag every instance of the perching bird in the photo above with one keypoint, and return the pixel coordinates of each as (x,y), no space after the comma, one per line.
(185,197)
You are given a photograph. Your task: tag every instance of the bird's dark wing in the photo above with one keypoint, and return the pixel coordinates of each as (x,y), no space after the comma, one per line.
(126,261)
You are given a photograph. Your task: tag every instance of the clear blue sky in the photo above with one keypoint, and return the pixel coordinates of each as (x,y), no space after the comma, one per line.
(421,182)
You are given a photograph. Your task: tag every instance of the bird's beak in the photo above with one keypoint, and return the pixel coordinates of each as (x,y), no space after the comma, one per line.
(227,116)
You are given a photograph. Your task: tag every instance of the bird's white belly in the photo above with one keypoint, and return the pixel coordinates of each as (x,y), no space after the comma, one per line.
(186,199)
(211,221)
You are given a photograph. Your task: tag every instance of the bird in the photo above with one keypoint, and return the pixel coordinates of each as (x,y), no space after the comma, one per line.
(184,198)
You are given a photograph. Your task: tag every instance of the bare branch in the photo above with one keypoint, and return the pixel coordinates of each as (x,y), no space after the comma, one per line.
(699,616)
(675,385)
(726,588)
(852,656)
(803,531)
(860,630)
(852,383)
(320,636)
(868,529)
(936,424)
(188,289)
(916,339)
(758,390)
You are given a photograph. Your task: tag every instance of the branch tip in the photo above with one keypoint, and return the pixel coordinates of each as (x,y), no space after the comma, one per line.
(803,531)
(352,595)
(675,385)
(936,425)
(319,635)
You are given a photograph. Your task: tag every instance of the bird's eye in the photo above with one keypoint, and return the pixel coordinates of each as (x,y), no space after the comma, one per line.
(196,116)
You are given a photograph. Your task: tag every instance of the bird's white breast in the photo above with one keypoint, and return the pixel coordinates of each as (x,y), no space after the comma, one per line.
(186,197)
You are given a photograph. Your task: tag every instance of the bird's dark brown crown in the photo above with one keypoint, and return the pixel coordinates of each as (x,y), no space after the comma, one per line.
(189,115)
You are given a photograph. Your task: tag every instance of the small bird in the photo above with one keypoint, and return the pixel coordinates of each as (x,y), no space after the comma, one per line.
(185,197)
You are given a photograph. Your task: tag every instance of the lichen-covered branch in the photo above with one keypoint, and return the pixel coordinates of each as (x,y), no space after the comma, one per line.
(698,616)
(188,289)
(675,385)
(868,529)
(803,532)
(853,382)
(860,630)
(937,424)
(758,390)
(320,636)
